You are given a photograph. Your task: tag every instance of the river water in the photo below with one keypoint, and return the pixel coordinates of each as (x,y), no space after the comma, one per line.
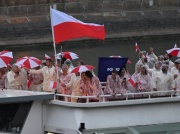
(90,50)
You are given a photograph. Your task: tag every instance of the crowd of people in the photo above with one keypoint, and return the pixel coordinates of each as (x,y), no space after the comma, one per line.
(152,73)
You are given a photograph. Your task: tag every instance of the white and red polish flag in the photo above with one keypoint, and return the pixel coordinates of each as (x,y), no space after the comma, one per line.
(132,81)
(136,47)
(53,85)
(66,27)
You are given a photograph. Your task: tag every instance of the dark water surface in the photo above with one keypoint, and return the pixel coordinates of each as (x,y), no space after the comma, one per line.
(90,50)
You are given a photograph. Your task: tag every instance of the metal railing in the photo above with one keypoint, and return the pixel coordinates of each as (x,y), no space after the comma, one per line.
(93,7)
(127,96)
(17,12)
(41,10)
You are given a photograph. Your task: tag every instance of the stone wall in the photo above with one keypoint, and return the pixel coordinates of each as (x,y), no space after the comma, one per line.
(29,2)
(26,2)
(133,25)
(20,2)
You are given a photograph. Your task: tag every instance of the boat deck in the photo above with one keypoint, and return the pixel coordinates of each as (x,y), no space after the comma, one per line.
(11,95)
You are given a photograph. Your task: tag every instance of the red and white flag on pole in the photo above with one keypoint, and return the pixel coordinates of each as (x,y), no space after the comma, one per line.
(132,81)
(136,47)
(53,85)
(66,27)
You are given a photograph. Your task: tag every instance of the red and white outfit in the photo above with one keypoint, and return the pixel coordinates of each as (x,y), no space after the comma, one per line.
(3,81)
(91,88)
(144,83)
(112,85)
(49,75)
(37,80)
(74,86)
(64,79)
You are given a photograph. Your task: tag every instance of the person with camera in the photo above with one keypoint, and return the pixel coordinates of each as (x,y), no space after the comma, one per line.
(113,84)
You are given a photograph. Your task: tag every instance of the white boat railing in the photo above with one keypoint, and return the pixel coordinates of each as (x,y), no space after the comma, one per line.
(127,96)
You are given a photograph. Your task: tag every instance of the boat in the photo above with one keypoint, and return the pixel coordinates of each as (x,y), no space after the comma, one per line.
(32,112)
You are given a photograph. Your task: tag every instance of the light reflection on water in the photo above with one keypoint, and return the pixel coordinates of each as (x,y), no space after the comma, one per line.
(89,51)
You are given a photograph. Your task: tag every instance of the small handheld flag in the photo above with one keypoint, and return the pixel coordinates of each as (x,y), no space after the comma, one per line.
(136,47)
(53,85)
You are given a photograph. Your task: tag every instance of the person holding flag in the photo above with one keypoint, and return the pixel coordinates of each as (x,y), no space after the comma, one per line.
(142,59)
(65,27)
(49,74)
(142,56)
(167,57)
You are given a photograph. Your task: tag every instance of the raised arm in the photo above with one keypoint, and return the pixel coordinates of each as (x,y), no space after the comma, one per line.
(40,71)
(152,54)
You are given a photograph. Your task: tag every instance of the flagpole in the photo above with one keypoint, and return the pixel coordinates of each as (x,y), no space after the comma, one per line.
(54,45)
(139,48)
(61,57)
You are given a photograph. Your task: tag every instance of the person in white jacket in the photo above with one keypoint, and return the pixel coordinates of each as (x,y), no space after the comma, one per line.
(166,56)
(175,69)
(15,78)
(49,75)
(177,79)
(164,81)
(157,68)
(74,86)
